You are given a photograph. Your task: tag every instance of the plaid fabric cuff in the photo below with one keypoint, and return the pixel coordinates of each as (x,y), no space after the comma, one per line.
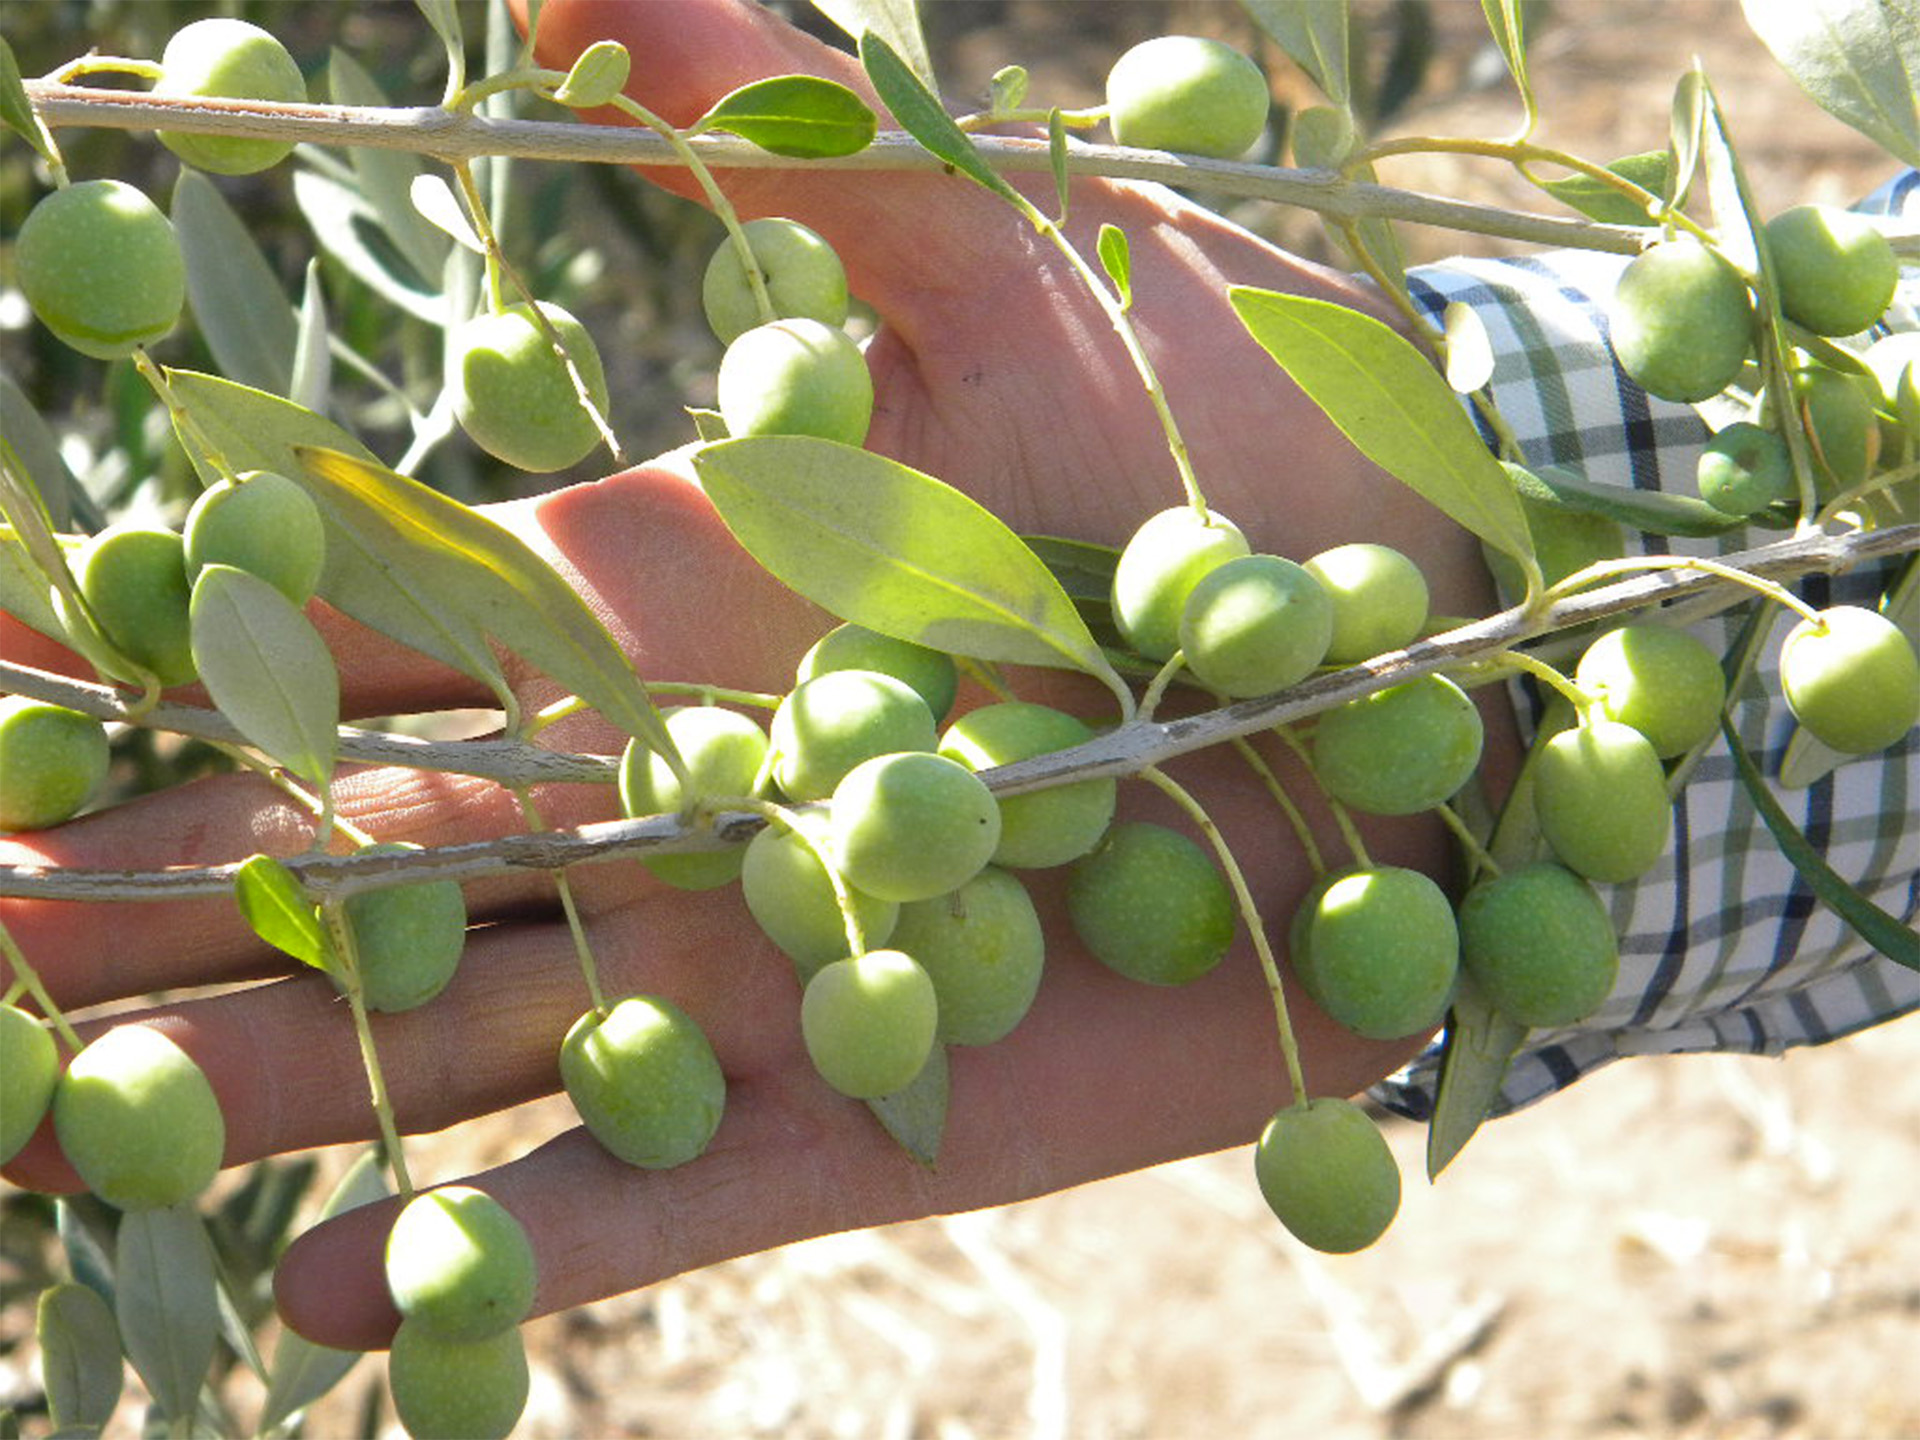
(1722,945)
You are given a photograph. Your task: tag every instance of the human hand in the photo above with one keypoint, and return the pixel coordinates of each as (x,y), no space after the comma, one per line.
(992,372)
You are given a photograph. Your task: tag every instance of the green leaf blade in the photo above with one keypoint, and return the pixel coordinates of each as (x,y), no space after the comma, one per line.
(918,111)
(267,667)
(916,1117)
(799,116)
(895,550)
(80,1364)
(1393,405)
(279,912)
(1859,60)
(895,21)
(1115,259)
(167,1299)
(237,302)
(1314,37)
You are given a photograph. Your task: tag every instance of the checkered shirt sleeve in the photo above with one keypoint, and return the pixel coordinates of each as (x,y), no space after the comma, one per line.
(1722,946)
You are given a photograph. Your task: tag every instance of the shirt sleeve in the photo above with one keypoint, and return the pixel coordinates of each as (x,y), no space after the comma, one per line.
(1723,947)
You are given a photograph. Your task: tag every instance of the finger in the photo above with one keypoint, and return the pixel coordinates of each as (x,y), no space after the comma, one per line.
(1042,1110)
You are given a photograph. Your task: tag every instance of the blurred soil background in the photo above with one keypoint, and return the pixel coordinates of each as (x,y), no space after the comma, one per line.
(1703,1248)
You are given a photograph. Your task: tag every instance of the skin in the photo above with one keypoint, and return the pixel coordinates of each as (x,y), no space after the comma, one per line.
(992,372)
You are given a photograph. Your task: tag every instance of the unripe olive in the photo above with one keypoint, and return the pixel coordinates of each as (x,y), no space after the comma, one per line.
(1043,827)
(796,377)
(982,948)
(457,1389)
(1539,944)
(1150,904)
(1400,750)
(1381,952)
(1744,469)
(1681,321)
(804,277)
(1852,679)
(1255,624)
(912,826)
(459,1265)
(645,1081)
(513,395)
(792,901)
(137,1118)
(930,672)
(134,580)
(101,268)
(52,762)
(1663,682)
(1328,1175)
(869,1022)
(29,1070)
(1379,599)
(1158,568)
(724,752)
(1601,797)
(1846,436)
(266,525)
(1185,93)
(1835,272)
(829,724)
(230,60)
(407,939)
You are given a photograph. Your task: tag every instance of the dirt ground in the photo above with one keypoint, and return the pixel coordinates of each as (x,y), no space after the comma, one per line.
(1702,1248)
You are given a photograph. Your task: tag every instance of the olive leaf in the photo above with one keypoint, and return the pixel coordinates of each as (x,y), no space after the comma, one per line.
(1386,397)
(1858,59)
(302,1371)
(1653,511)
(311,383)
(236,298)
(1507,20)
(166,1298)
(37,449)
(895,550)
(1469,348)
(1057,162)
(1115,259)
(267,667)
(916,1116)
(368,575)
(895,21)
(1599,201)
(16,110)
(80,1364)
(800,116)
(1888,934)
(918,111)
(1314,37)
(596,77)
(444,17)
(1480,1046)
(382,192)
(491,579)
(279,912)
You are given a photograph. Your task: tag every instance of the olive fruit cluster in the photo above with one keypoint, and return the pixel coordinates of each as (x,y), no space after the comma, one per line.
(462,1275)
(137,581)
(798,373)
(1682,319)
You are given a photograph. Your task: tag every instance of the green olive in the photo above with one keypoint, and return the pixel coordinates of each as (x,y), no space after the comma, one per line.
(101,267)
(230,60)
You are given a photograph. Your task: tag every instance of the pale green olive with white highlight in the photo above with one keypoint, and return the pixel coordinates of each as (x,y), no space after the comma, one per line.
(1744,469)
(983,949)
(1187,93)
(724,752)
(228,59)
(1664,682)
(1158,568)
(1256,624)
(459,1264)
(53,761)
(932,673)
(29,1070)
(1379,599)
(869,1022)
(514,393)
(1041,828)
(645,1081)
(262,523)
(827,725)
(101,267)
(138,1120)
(1851,678)
(1400,750)
(1381,952)
(1327,1173)
(1539,944)
(457,1389)
(407,939)
(796,377)
(1834,270)
(788,893)
(134,580)
(911,826)
(803,275)
(1600,794)
(1151,904)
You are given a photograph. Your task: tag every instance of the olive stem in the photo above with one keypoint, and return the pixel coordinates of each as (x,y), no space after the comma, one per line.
(1463,832)
(842,896)
(1249,916)
(28,979)
(1601,569)
(1301,830)
(333,914)
(576,929)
